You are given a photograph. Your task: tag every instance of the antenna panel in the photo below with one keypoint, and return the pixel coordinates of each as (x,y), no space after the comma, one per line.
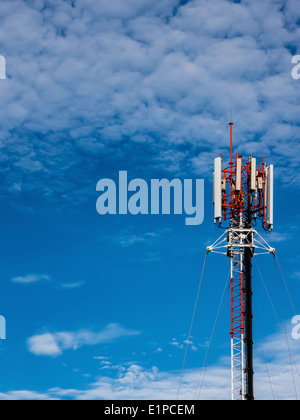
(218,189)
(270,180)
(214,195)
(253,174)
(238,186)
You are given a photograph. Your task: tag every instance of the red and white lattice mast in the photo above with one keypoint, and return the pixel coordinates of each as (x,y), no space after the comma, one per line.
(243,194)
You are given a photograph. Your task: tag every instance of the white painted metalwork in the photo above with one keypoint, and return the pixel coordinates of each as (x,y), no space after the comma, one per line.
(233,243)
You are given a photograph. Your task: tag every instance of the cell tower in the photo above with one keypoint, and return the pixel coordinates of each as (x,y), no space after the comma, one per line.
(243,194)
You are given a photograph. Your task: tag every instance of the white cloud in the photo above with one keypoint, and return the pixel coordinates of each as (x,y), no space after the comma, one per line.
(39,278)
(54,344)
(25,395)
(44,345)
(183,345)
(128,238)
(31,278)
(101,357)
(74,285)
(277,237)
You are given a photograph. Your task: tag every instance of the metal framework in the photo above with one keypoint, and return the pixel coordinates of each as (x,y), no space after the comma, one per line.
(243,194)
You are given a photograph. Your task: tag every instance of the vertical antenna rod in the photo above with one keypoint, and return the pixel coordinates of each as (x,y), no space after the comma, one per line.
(231,139)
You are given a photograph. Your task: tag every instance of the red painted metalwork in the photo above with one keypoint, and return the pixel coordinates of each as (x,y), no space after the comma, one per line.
(236,202)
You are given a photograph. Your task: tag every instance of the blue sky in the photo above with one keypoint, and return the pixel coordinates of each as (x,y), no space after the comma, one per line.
(100,307)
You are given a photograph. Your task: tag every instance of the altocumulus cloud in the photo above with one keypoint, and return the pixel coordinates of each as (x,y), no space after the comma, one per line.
(148,81)
(54,344)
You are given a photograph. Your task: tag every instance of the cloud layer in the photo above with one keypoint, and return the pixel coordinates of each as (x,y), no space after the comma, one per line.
(87,80)
(273,375)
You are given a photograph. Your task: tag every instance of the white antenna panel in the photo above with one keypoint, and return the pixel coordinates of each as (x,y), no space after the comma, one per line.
(253,174)
(214,189)
(218,189)
(239,175)
(270,180)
